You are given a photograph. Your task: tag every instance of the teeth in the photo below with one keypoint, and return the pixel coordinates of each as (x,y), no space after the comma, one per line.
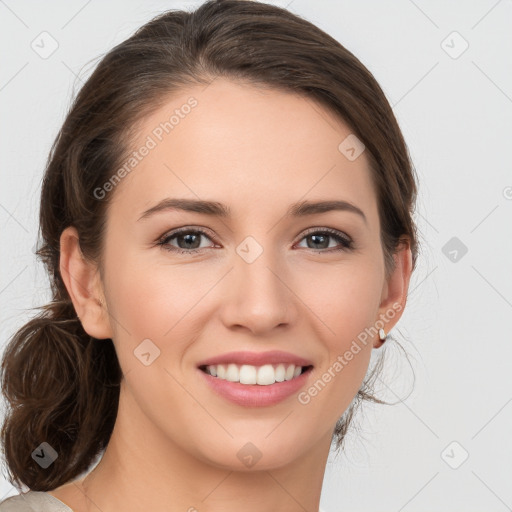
(248,374)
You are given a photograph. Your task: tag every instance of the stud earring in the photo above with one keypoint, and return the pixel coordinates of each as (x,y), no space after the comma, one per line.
(382,335)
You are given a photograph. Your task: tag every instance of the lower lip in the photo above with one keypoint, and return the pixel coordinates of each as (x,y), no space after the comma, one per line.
(254,395)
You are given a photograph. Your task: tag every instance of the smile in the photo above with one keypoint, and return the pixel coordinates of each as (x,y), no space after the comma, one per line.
(264,375)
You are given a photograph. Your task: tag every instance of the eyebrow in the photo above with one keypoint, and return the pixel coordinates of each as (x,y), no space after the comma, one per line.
(214,208)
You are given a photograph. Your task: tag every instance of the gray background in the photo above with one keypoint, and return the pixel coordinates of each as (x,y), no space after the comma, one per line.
(455,110)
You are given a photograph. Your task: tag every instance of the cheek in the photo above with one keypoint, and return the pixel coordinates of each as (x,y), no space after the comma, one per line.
(163,302)
(145,295)
(329,395)
(344,298)
(347,308)
(156,302)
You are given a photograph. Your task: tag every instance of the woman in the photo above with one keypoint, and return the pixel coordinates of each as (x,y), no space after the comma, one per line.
(227,224)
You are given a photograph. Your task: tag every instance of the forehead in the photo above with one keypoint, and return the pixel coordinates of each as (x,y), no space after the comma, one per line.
(249,147)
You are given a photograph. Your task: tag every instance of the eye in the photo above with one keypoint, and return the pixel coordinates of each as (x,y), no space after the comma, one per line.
(320,240)
(188,240)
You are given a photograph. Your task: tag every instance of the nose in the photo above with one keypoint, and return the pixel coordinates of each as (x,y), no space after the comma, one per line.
(257,297)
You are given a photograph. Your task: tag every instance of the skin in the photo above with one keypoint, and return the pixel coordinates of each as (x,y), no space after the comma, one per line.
(175,442)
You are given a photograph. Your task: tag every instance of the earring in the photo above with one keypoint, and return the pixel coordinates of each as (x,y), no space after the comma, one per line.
(382,335)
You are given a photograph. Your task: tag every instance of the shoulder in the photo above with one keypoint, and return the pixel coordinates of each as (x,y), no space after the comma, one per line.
(33,501)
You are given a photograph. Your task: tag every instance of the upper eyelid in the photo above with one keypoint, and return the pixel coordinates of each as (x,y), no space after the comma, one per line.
(206,231)
(186,229)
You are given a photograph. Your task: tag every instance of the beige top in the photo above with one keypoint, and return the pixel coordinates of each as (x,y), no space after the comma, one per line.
(33,501)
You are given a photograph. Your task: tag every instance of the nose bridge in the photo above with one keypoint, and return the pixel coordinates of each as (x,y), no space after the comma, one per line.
(259,299)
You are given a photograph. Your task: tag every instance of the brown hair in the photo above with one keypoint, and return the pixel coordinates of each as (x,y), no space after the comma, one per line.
(61,384)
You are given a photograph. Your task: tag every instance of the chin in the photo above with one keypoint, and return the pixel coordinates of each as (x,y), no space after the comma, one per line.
(260,452)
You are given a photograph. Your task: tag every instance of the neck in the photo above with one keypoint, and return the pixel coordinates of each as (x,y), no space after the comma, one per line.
(142,469)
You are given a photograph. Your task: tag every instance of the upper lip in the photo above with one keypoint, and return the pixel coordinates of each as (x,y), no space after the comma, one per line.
(256,358)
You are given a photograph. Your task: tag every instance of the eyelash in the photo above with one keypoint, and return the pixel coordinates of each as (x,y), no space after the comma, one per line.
(346,243)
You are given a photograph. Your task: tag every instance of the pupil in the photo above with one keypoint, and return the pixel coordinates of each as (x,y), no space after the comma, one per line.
(317,239)
(187,240)
(321,237)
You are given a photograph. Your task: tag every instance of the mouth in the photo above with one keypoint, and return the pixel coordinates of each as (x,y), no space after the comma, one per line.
(263,375)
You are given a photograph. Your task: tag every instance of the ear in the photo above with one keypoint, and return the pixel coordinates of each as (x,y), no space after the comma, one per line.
(394,292)
(83,283)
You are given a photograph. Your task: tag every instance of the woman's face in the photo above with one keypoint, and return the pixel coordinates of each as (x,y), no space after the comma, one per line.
(263,277)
